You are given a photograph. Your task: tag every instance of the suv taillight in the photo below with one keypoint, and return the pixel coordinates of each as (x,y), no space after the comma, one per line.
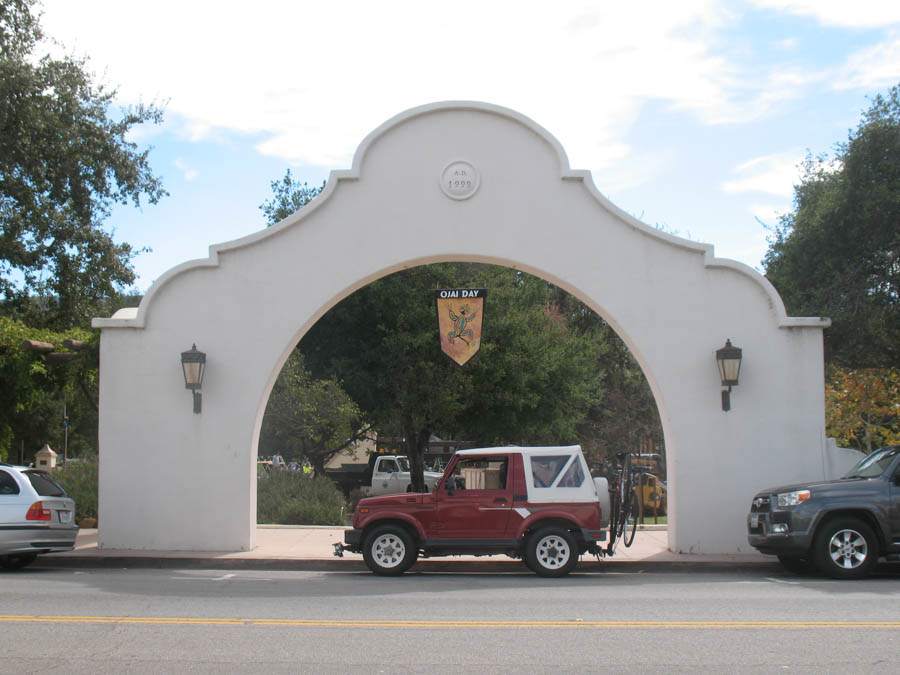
(37,512)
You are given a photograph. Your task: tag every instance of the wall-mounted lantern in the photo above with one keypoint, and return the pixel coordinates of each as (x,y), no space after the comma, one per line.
(193,363)
(728,358)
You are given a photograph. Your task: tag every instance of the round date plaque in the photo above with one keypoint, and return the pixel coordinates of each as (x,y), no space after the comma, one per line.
(459,180)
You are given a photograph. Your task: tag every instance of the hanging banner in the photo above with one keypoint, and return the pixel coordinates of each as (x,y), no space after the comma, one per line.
(460,314)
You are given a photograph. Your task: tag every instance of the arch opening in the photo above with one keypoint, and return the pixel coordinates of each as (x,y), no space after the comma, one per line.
(599,398)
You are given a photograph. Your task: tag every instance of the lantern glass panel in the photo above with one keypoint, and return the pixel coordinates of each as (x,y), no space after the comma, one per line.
(193,373)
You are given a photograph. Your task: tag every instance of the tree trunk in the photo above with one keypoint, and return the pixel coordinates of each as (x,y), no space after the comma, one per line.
(318,465)
(416,443)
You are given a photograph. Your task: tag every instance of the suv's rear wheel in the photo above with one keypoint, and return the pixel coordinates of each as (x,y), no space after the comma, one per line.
(551,552)
(845,548)
(389,550)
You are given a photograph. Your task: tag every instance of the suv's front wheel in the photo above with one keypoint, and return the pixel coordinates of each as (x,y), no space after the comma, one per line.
(389,550)
(845,548)
(551,552)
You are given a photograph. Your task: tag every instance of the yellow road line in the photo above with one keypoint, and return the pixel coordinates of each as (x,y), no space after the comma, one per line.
(348,623)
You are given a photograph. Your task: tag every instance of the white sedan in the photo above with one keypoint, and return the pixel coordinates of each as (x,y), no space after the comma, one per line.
(36,516)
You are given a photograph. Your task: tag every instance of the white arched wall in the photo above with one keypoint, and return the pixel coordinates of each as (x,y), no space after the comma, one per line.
(173,480)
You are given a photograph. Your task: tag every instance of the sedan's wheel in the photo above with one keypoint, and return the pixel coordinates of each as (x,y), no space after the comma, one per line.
(389,550)
(551,552)
(845,548)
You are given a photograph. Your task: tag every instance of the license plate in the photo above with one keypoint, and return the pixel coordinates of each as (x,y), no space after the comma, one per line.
(754,520)
(65,516)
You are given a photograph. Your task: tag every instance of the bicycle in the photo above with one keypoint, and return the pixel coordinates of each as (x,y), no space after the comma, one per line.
(625,506)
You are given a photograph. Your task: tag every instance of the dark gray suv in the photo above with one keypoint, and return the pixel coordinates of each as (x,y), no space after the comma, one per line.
(839,527)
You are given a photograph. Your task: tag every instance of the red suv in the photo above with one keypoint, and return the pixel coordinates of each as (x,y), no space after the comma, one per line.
(538,504)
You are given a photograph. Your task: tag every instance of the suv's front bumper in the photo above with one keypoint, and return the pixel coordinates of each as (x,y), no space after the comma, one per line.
(780,530)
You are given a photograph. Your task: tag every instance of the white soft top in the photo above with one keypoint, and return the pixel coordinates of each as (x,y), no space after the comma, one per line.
(552,473)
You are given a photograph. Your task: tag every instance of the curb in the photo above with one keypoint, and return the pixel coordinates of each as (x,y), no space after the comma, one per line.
(421,566)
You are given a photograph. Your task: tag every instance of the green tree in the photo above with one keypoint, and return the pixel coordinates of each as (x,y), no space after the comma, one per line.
(308,418)
(64,161)
(289,196)
(837,253)
(36,388)
(531,383)
(624,417)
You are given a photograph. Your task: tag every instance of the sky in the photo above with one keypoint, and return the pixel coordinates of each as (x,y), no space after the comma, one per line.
(692,115)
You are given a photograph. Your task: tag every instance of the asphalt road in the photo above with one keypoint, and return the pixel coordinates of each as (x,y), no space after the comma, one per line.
(152,621)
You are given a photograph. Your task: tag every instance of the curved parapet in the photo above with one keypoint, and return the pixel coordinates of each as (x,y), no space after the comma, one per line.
(565,173)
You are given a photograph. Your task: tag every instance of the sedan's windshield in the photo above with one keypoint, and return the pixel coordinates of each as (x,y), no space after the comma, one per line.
(872,466)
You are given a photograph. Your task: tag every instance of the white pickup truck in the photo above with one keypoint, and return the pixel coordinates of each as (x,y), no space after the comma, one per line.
(390,474)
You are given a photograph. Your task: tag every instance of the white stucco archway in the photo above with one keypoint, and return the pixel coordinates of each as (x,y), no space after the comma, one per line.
(173,480)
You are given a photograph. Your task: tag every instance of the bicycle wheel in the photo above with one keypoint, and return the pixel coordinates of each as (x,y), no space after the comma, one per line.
(631,520)
(625,491)
(614,523)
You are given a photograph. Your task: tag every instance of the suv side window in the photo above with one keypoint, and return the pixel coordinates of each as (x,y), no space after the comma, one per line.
(545,469)
(573,477)
(8,484)
(481,473)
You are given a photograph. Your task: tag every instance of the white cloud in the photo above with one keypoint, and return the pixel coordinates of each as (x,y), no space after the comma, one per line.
(310,80)
(317,77)
(873,68)
(774,174)
(857,14)
(186,171)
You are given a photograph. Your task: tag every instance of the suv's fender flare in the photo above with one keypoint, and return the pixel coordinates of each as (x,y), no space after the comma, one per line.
(553,516)
(381,517)
(873,517)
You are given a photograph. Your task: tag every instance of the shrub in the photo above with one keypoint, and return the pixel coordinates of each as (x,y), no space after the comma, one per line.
(291,498)
(79,479)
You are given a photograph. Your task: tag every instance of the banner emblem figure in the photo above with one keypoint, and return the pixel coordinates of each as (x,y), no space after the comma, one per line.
(460,314)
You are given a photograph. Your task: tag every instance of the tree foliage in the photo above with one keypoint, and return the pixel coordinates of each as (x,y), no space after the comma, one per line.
(837,253)
(531,383)
(308,418)
(64,161)
(863,407)
(35,391)
(288,196)
(624,417)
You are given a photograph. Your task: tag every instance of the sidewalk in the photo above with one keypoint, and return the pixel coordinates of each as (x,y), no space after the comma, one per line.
(287,547)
